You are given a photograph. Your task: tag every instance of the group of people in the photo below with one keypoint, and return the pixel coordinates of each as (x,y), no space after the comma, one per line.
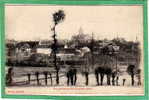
(71,75)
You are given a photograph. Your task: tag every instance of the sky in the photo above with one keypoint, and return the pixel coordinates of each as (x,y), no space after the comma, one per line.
(33,22)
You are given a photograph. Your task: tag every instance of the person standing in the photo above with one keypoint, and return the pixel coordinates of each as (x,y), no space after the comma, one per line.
(68,78)
(97,76)
(86,78)
(139,76)
(74,76)
(9,79)
(124,81)
(71,75)
(117,78)
(113,78)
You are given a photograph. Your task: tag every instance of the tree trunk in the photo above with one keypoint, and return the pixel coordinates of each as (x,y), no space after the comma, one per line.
(57,77)
(55,58)
(51,79)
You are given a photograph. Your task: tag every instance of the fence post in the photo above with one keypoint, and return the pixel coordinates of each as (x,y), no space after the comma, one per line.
(51,79)
(29,77)
(46,77)
(37,77)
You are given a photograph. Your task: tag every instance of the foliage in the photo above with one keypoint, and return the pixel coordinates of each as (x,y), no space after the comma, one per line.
(131,69)
(58,17)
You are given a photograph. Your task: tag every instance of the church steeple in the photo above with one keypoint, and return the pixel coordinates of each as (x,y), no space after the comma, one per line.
(81,30)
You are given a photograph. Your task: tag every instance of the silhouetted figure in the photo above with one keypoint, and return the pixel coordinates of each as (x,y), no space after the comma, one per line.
(117,78)
(139,79)
(102,72)
(68,78)
(37,77)
(86,77)
(29,77)
(9,75)
(124,81)
(108,79)
(96,76)
(131,72)
(101,78)
(113,78)
(46,77)
(71,76)
(74,76)
(108,72)
(139,76)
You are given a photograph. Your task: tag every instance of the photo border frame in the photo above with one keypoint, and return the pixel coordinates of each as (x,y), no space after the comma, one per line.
(74,2)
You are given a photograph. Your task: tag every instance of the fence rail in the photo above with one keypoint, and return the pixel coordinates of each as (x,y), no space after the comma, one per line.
(36,79)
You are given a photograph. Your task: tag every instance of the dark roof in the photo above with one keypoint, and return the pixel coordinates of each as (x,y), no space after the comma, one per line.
(10,45)
(32,44)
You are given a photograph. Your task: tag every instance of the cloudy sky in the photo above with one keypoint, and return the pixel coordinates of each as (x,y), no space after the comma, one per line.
(32,22)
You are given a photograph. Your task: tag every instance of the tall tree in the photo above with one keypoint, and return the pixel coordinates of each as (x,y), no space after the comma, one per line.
(58,17)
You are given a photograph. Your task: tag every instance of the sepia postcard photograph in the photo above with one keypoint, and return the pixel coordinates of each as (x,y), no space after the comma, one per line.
(74,50)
